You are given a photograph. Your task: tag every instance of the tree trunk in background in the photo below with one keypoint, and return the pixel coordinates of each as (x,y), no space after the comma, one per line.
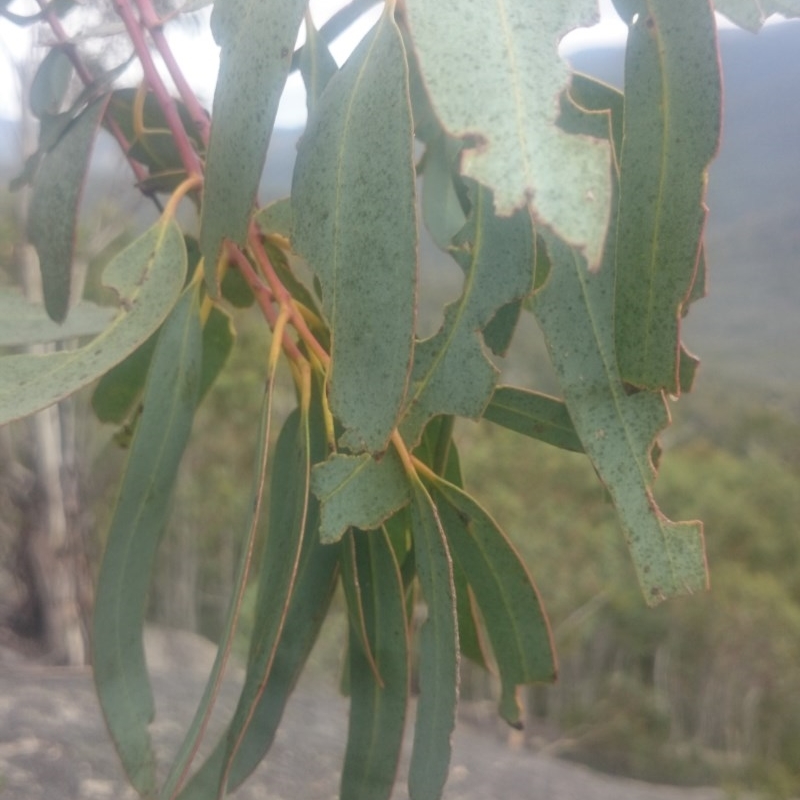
(51,535)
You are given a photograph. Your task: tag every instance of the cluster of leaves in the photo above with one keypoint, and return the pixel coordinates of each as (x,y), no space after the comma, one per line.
(554,194)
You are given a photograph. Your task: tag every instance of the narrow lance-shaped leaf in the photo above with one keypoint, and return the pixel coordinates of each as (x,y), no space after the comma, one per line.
(358,491)
(617,430)
(672,125)
(533,414)
(377,708)
(202,714)
(51,82)
(504,590)
(452,373)
(256,40)
(438,658)
(355,609)
(280,557)
(55,199)
(147,276)
(317,575)
(139,519)
(355,224)
(441,207)
(317,65)
(520,154)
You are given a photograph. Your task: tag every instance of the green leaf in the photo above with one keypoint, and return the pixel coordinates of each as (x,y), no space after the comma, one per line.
(317,65)
(151,140)
(441,207)
(355,224)
(618,430)
(55,201)
(256,41)
(23,323)
(533,414)
(276,217)
(672,125)
(505,592)
(377,709)
(191,740)
(515,149)
(147,277)
(451,373)
(752,14)
(51,82)
(470,633)
(218,341)
(358,491)
(438,659)
(120,672)
(316,578)
(289,502)
(118,391)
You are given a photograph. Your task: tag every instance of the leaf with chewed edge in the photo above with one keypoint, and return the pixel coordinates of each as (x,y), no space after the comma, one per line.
(358,491)
(148,276)
(515,149)
(671,132)
(618,430)
(353,201)
(452,373)
(120,672)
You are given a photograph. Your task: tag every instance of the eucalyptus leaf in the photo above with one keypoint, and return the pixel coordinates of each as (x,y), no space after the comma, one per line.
(317,65)
(120,672)
(535,415)
(55,201)
(289,503)
(672,127)
(494,76)
(617,429)
(438,658)
(451,373)
(147,276)
(50,83)
(377,708)
(355,224)
(256,41)
(315,580)
(358,491)
(505,592)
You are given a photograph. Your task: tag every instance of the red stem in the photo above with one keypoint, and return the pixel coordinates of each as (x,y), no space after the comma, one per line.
(264,297)
(283,295)
(190,159)
(155,27)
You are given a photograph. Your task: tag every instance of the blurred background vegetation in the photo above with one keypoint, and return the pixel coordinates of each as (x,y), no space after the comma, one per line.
(704,689)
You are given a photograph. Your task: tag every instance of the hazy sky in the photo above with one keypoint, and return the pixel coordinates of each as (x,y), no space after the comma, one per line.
(198,54)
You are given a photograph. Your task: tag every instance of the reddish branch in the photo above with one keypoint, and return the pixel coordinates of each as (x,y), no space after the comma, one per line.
(190,159)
